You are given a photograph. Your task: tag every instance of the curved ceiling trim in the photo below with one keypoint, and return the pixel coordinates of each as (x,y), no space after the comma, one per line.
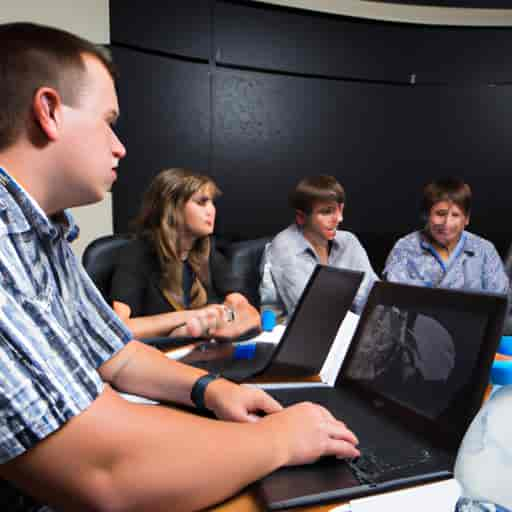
(453,16)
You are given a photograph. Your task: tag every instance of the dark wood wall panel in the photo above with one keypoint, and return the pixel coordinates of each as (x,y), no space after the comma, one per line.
(308,43)
(462,55)
(335,46)
(295,93)
(165,122)
(382,142)
(180,27)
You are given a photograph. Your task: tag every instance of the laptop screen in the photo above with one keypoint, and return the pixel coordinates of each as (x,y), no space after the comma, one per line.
(317,317)
(427,350)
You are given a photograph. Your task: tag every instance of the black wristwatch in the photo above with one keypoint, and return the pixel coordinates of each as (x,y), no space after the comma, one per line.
(199,389)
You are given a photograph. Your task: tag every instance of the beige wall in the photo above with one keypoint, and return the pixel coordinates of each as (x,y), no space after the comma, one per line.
(404,13)
(89,19)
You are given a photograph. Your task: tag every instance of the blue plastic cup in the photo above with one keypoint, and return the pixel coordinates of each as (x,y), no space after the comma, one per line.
(245,351)
(505,347)
(268,320)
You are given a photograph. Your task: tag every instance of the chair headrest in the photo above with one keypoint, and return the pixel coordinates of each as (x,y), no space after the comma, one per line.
(235,267)
(99,258)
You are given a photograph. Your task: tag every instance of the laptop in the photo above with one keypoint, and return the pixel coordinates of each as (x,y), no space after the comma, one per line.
(412,380)
(306,340)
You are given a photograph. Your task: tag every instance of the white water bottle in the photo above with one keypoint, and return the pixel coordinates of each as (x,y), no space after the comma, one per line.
(484,462)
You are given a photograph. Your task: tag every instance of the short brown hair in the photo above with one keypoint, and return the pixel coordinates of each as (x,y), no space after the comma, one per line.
(316,188)
(33,56)
(446,189)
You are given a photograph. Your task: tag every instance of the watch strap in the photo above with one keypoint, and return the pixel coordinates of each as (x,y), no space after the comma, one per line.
(199,389)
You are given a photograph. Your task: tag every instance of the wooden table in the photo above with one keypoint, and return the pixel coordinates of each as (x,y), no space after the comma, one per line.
(246,501)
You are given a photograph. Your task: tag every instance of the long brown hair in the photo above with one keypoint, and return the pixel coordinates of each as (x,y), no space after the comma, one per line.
(159,220)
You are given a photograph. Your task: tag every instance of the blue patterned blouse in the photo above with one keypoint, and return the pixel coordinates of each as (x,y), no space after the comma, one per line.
(473,265)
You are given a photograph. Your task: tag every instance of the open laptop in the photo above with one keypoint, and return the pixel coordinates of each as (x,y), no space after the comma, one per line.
(412,380)
(306,340)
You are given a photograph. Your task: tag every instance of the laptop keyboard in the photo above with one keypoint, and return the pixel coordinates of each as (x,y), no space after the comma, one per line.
(369,467)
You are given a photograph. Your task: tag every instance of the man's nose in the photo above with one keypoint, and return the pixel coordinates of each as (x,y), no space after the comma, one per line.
(118,149)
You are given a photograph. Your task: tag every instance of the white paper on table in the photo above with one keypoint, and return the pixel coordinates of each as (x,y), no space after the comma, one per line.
(273,336)
(341,508)
(435,497)
(333,361)
(338,350)
(287,385)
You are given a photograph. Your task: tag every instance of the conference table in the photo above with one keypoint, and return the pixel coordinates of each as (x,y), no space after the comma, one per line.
(246,500)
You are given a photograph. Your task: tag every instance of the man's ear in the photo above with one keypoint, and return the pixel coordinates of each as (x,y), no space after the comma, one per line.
(467,220)
(342,207)
(300,217)
(46,107)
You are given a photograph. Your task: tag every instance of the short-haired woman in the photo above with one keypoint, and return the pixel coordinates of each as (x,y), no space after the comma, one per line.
(161,280)
(443,254)
(289,260)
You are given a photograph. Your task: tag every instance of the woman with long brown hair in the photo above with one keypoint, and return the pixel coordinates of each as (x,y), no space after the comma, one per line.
(161,281)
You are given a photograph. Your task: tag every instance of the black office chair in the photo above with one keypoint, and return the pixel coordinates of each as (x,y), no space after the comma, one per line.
(98,260)
(235,266)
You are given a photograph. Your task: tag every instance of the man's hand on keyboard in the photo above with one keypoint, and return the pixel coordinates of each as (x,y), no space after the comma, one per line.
(309,431)
(235,402)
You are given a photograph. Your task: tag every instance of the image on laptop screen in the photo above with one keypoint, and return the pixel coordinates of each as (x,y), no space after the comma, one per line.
(424,354)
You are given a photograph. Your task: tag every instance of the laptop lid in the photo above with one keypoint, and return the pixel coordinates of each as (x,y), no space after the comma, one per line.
(426,353)
(306,341)
(315,321)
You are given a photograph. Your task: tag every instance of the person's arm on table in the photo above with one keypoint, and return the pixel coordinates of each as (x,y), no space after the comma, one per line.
(132,282)
(118,456)
(192,322)
(121,456)
(144,370)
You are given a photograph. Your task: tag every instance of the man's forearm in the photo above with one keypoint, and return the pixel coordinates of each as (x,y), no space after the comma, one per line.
(144,370)
(141,459)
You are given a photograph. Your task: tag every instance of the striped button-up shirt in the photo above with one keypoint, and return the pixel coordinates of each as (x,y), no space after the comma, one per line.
(55,329)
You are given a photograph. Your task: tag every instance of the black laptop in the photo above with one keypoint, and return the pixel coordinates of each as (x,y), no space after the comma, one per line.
(412,380)
(306,340)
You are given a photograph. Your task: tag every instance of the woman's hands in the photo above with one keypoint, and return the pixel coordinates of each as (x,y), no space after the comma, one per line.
(245,317)
(207,321)
(228,320)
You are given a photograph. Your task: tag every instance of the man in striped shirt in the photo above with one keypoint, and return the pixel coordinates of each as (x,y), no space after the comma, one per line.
(68,440)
